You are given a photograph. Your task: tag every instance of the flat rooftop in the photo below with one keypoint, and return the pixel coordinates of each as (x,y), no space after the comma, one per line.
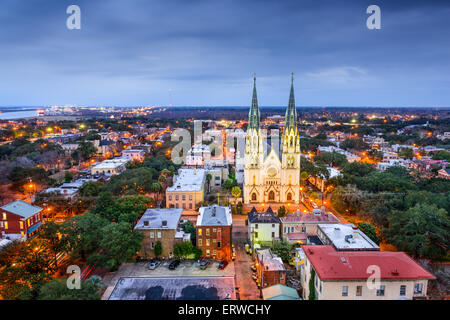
(189,180)
(270,260)
(346,236)
(214,216)
(174,288)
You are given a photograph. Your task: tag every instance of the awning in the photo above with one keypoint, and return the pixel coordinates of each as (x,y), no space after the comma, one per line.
(33,228)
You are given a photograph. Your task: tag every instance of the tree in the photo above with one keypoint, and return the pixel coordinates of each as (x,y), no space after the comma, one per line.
(422,231)
(68,176)
(442,155)
(332,159)
(236,193)
(118,244)
(85,151)
(355,144)
(158,248)
(208,180)
(347,199)
(58,290)
(312,288)
(406,153)
(189,227)
(369,231)
(49,234)
(282,212)
(283,250)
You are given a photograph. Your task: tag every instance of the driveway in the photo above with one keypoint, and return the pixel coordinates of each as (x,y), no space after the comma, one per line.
(248,288)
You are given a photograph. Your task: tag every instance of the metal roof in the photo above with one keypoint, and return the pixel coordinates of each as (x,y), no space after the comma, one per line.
(21,208)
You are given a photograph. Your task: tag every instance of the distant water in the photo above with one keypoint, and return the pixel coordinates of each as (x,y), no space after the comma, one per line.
(18,115)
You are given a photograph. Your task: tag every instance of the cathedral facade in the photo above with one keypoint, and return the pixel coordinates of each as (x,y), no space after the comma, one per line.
(273,176)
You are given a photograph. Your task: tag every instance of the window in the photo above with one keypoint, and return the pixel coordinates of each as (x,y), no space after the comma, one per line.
(4,216)
(271,196)
(403,290)
(208,253)
(359,291)
(190,205)
(183,197)
(256,226)
(418,288)
(184,205)
(273,225)
(273,234)
(200,242)
(289,196)
(159,234)
(380,291)
(176,197)
(152,245)
(345,291)
(214,252)
(170,197)
(214,240)
(219,244)
(320,289)
(152,234)
(253,196)
(214,230)
(207,242)
(6,225)
(28,222)
(286,230)
(256,235)
(207,232)
(190,197)
(21,224)
(200,232)
(303,228)
(292,229)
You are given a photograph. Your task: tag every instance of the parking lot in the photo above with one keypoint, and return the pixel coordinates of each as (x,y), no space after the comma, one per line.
(186,268)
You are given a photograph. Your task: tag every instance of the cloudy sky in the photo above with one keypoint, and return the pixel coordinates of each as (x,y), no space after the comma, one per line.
(204,52)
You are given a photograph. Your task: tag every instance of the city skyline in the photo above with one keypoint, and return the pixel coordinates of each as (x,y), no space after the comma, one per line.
(204,53)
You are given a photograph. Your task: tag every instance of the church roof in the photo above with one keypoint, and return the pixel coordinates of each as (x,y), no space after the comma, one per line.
(264,217)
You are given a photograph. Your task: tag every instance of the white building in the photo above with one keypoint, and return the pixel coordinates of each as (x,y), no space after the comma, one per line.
(264,227)
(133,154)
(345,236)
(188,189)
(109,167)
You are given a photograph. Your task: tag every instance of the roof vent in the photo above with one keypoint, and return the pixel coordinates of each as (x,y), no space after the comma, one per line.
(164,223)
(213,211)
(395,272)
(146,223)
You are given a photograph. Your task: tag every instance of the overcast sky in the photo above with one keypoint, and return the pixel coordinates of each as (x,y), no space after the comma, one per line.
(204,52)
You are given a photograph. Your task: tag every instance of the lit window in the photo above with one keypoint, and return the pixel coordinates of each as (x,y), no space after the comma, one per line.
(200,242)
(207,242)
(359,291)
(21,224)
(6,225)
(207,231)
(199,232)
(4,216)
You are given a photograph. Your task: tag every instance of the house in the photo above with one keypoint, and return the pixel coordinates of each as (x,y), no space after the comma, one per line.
(214,232)
(109,167)
(264,227)
(444,174)
(296,227)
(160,225)
(20,218)
(133,154)
(343,275)
(269,268)
(188,189)
(280,292)
(345,237)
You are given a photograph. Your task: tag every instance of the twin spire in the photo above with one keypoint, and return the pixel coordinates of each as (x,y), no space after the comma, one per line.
(291,111)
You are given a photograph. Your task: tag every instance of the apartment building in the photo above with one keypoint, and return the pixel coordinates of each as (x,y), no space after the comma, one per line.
(188,189)
(20,219)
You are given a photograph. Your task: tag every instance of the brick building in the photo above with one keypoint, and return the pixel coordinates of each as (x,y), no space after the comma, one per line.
(269,268)
(20,219)
(160,225)
(214,232)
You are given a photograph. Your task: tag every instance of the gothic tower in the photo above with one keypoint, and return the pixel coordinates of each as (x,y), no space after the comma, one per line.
(290,167)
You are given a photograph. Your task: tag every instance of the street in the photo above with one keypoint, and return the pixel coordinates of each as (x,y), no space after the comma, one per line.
(248,288)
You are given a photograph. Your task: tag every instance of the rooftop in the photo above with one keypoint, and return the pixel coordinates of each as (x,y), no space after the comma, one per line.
(330,264)
(173,288)
(214,216)
(189,180)
(280,292)
(159,219)
(21,208)
(269,260)
(264,217)
(347,237)
(309,217)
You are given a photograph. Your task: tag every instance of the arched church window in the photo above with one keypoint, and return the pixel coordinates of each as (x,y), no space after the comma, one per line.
(271,196)
(253,196)
(254,180)
(289,196)
(290,179)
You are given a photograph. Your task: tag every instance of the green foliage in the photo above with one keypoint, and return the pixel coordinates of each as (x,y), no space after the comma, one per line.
(90,189)
(85,151)
(312,289)
(354,144)
(332,159)
(406,153)
(442,155)
(283,250)
(68,176)
(189,227)
(282,212)
(20,177)
(158,248)
(347,199)
(369,231)
(421,231)
(58,290)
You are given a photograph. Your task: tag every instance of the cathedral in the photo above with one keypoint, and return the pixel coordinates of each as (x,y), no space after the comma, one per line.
(273,176)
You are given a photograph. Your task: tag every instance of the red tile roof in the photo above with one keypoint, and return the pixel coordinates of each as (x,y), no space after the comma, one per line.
(352,265)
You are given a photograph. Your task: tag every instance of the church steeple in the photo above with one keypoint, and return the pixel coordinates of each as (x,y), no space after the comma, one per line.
(291,111)
(253,114)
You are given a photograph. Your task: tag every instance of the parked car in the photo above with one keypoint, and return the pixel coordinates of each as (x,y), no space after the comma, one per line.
(174,264)
(203,264)
(222,264)
(154,264)
(253,267)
